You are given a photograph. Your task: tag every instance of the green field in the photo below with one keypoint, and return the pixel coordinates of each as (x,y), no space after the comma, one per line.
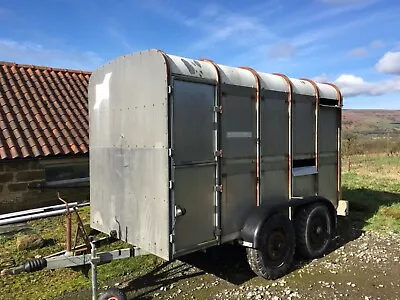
(372,186)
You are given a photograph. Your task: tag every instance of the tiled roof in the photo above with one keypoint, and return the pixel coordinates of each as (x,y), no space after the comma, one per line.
(43,111)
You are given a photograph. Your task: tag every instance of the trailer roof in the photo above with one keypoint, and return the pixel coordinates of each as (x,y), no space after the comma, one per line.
(206,69)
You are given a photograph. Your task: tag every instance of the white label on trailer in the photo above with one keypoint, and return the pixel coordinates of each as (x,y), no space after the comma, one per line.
(239,134)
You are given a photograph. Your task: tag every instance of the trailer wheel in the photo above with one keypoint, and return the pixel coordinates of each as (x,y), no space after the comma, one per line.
(313,230)
(113,294)
(276,248)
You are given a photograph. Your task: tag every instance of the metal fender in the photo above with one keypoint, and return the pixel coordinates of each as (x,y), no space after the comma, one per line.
(249,234)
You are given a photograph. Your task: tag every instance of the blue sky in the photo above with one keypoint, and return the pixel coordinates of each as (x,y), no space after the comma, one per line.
(355,43)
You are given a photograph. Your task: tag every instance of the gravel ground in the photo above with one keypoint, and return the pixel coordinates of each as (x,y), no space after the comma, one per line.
(359,266)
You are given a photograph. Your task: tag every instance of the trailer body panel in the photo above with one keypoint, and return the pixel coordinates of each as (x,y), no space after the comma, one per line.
(128,115)
(274,141)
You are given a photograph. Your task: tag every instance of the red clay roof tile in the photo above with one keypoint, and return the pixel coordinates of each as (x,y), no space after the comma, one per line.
(43,111)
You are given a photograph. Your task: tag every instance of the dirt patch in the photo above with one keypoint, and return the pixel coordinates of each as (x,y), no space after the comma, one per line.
(359,266)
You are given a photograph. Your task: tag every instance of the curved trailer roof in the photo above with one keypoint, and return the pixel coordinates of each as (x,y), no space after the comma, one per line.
(243,76)
(248,77)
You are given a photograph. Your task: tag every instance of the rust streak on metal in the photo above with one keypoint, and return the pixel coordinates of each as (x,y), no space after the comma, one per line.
(258,158)
(316,91)
(67,224)
(339,137)
(290,95)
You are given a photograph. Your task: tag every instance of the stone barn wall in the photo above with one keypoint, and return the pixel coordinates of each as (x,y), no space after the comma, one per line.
(17,177)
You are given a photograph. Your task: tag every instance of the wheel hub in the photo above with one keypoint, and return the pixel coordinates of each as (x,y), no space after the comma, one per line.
(319,228)
(276,246)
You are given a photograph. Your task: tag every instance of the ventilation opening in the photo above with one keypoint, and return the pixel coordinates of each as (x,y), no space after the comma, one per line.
(328,102)
(301,163)
(302,167)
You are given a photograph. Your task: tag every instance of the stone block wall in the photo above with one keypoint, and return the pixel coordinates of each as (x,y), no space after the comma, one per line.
(16,176)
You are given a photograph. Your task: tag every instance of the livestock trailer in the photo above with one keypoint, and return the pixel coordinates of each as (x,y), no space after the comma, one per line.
(188,154)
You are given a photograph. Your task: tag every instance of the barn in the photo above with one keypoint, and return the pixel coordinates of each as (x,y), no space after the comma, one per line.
(44,142)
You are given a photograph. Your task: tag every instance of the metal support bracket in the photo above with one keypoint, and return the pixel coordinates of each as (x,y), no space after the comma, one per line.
(219,188)
(217,232)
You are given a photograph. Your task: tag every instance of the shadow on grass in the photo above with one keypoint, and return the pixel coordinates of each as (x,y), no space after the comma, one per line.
(365,203)
(49,242)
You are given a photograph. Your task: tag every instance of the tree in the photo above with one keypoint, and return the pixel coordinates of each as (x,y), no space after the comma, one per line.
(350,146)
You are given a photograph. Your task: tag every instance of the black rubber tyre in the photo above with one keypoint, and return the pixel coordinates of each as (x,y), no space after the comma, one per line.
(313,230)
(276,248)
(113,294)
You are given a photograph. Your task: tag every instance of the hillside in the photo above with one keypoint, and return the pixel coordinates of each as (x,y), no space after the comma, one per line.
(372,122)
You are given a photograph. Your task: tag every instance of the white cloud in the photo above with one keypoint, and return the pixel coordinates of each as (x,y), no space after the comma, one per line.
(214,25)
(389,63)
(364,51)
(320,78)
(27,52)
(121,38)
(377,44)
(219,25)
(328,32)
(358,52)
(352,86)
(281,50)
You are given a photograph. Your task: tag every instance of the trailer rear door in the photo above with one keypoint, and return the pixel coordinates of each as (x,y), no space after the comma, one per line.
(193,169)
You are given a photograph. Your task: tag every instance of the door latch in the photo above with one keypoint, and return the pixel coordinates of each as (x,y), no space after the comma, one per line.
(179,211)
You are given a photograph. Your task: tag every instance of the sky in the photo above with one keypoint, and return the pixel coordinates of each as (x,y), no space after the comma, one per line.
(353,43)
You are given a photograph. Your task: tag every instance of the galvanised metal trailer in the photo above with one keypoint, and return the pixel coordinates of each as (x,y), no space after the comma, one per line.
(187,154)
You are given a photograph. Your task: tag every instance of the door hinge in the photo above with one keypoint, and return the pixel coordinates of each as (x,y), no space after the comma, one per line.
(171,238)
(218,153)
(217,232)
(170,152)
(169,89)
(218,188)
(218,109)
(171,184)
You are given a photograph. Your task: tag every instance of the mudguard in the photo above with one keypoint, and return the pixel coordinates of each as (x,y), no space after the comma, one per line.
(256,219)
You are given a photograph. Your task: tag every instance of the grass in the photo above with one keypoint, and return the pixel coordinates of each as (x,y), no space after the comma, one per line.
(372,187)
